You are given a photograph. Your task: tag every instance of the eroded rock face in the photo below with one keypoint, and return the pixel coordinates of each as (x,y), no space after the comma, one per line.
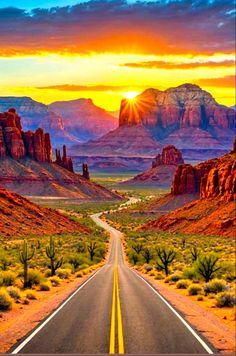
(18,144)
(170,156)
(64,161)
(210,179)
(176,108)
(85,171)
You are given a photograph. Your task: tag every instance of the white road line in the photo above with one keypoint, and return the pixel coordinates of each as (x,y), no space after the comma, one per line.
(206,347)
(30,337)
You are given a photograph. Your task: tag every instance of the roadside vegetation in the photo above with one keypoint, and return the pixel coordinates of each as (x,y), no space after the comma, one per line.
(201,267)
(31,265)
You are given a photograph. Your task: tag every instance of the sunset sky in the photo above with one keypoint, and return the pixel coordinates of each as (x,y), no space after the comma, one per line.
(60,49)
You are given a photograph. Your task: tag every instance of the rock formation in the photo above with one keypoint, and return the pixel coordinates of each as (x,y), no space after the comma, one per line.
(175,108)
(18,144)
(170,156)
(213,178)
(85,171)
(64,161)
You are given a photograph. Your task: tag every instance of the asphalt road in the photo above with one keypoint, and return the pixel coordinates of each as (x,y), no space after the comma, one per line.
(114,312)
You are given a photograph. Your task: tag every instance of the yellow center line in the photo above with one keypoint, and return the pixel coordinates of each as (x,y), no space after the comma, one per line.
(116,308)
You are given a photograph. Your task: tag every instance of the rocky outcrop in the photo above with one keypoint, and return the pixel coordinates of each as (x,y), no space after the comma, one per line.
(85,169)
(213,178)
(170,156)
(175,108)
(64,161)
(18,144)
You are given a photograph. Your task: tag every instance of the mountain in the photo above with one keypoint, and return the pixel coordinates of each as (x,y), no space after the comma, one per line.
(162,171)
(34,114)
(68,122)
(27,166)
(214,182)
(185,116)
(84,119)
(134,141)
(19,216)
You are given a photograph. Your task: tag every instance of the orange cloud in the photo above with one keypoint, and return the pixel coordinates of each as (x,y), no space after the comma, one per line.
(156,27)
(223,82)
(171,65)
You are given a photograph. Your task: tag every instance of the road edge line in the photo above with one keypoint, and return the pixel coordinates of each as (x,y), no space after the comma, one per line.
(50,317)
(186,324)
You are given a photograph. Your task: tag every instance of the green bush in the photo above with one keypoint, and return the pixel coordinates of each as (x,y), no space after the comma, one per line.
(30,294)
(45,286)
(182,284)
(7,278)
(5,300)
(190,273)
(14,292)
(63,273)
(225,299)
(175,277)
(55,281)
(35,277)
(194,289)
(215,286)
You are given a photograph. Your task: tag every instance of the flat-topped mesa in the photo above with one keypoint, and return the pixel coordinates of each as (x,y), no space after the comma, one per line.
(85,169)
(170,156)
(64,161)
(18,144)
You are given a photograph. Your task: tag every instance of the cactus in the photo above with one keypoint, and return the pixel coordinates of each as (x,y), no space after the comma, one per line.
(195,253)
(25,256)
(51,254)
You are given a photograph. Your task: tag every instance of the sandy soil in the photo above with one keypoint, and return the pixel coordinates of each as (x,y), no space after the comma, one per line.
(206,318)
(16,323)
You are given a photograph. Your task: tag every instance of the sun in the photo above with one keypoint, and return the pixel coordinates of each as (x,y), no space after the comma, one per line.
(131,94)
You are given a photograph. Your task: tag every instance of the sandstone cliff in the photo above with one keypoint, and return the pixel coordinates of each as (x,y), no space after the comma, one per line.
(212,214)
(216,177)
(162,171)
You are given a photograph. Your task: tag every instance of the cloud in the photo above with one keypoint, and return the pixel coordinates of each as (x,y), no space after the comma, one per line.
(102,88)
(172,65)
(158,27)
(223,82)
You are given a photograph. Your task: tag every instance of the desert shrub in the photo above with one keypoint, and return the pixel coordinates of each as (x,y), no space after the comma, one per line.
(45,286)
(7,278)
(4,261)
(182,284)
(133,257)
(25,301)
(200,298)
(14,292)
(63,273)
(159,276)
(79,274)
(76,260)
(215,286)
(207,266)
(83,266)
(194,289)
(225,299)
(55,281)
(148,268)
(47,273)
(30,294)
(190,273)
(35,277)
(175,277)
(5,300)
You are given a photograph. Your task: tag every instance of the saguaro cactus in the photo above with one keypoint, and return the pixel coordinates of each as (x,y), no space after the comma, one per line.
(25,256)
(51,254)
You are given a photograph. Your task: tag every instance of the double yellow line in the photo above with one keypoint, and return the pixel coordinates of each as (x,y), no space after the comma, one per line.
(116,316)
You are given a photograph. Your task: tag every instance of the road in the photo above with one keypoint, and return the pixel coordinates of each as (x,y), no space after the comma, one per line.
(116,311)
